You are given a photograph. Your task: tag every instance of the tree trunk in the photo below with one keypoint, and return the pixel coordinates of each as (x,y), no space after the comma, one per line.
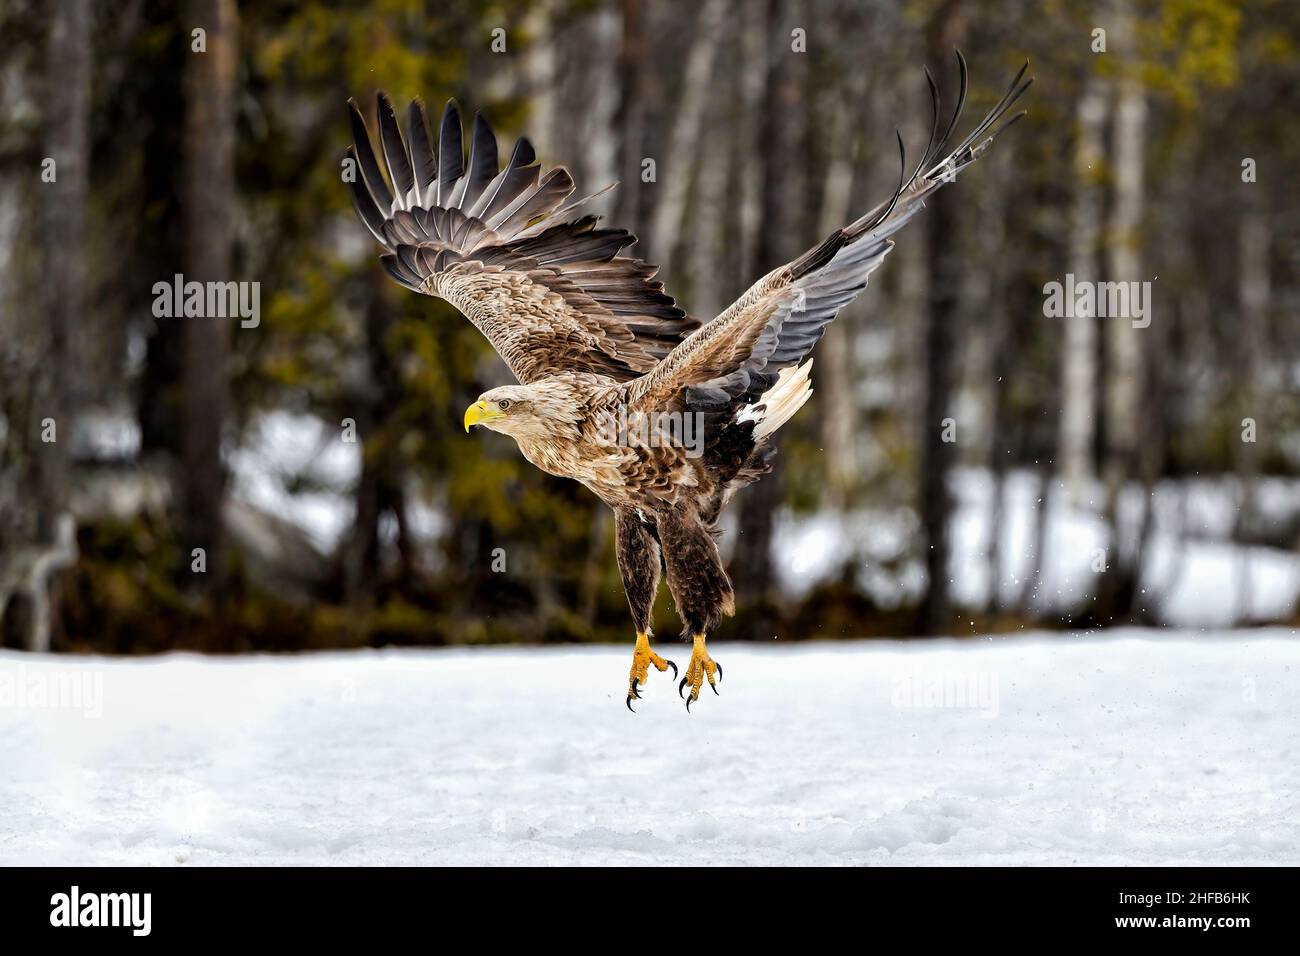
(600,138)
(839,420)
(636,92)
(713,234)
(1125,418)
(380,490)
(539,79)
(677,171)
(781,236)
(209,195)
(938,456)
(1003,351)
(1079,342)
(30,571)
(1253,292)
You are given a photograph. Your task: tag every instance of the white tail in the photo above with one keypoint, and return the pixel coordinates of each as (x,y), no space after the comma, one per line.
(778,404)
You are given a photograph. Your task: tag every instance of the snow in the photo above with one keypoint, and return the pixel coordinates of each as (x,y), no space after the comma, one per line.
(282,448)
(1136,747)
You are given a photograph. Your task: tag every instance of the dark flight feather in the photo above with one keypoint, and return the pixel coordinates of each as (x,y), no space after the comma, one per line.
(395,155)
(370,174)
(363,202)
(423,162)
(482,166)
(516,177)
(451,158)
(462,230)
(553,190)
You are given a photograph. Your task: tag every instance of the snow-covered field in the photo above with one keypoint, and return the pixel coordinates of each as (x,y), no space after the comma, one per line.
(1137,747)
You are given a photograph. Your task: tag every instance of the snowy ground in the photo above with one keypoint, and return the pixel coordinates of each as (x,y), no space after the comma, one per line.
(1140,747)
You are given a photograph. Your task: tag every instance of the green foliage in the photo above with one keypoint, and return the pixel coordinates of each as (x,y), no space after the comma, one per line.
(1190,46)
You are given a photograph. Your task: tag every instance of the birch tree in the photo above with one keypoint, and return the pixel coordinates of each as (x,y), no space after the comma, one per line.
(1079,339)
(1124,407)
(676,172)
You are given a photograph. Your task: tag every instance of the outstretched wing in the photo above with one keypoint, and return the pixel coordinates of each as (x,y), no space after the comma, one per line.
(729,364)
(551,294)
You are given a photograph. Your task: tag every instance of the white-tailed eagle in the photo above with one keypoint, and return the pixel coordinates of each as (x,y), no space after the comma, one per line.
(662,416)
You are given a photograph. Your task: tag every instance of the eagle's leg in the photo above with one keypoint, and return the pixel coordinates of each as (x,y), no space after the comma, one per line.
(638,562)
(701,591)
(642,658)
(701,666)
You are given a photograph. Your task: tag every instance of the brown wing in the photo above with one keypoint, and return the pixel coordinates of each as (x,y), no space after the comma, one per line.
(732,360)
(551,295)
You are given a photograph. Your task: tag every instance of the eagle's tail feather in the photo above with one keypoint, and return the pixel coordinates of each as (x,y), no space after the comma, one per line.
(779,403)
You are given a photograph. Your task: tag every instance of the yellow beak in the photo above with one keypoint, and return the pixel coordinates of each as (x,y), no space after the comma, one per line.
(480,412)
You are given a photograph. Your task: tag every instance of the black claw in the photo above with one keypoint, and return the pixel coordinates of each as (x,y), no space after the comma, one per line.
(681,687)
(629,703)
(715,689)
(688,704)
(674,667)
(719,667)
(634,692)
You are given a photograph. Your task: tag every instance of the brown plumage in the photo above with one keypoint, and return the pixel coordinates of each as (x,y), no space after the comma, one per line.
(661,417)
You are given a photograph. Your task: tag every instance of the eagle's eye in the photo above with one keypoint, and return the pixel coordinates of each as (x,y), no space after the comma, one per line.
(503,404)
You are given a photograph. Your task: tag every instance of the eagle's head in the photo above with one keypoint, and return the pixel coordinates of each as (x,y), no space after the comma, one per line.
(526,412)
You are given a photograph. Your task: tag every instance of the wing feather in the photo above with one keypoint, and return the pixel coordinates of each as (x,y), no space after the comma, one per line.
(733,360)
(396,157)
(550,294)
(451,159)
(482,164)
(371,178)
(423,163)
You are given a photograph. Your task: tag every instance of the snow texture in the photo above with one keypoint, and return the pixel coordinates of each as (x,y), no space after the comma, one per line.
(1141,747)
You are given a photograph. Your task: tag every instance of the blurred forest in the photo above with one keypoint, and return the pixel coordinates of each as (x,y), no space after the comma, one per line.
(968,464)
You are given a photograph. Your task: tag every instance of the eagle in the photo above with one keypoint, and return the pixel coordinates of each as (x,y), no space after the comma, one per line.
(661,415)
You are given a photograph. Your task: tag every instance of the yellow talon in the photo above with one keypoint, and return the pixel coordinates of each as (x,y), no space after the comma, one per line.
(642,658)
(701,666)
